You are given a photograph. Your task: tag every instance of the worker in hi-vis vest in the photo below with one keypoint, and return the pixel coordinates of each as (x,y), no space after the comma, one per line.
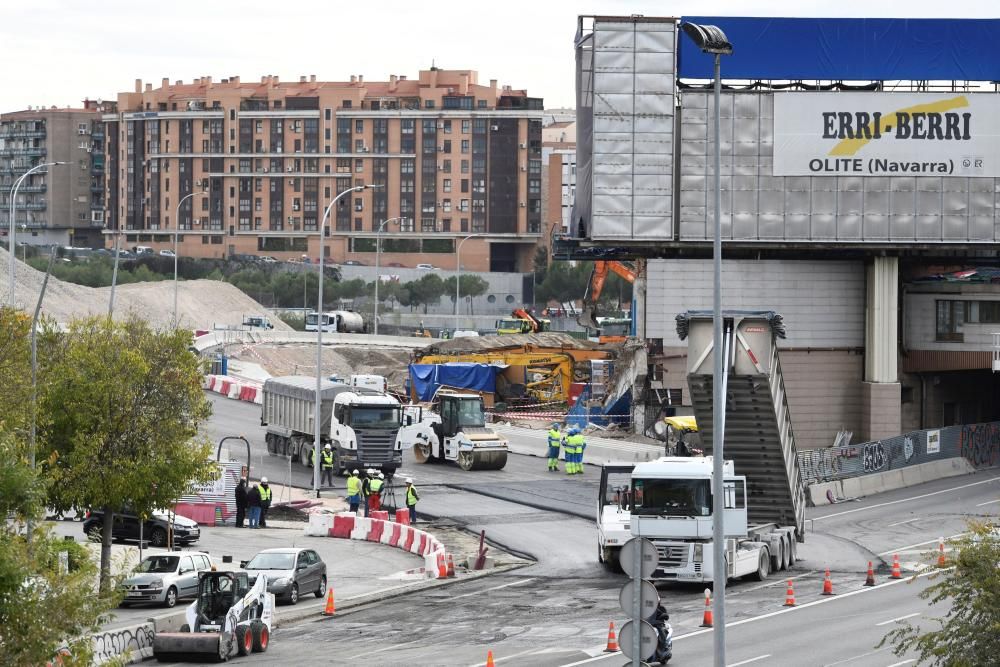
(555,443)
(375,491)
(575,445)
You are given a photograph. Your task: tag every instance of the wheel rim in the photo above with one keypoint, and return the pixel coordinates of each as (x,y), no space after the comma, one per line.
(247,641)
(294,594)
(171,597)
(264,638)
(466,460)
(158,537)
(322,587)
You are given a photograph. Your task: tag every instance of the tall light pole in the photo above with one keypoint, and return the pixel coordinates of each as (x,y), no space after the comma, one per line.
(458,272)
(378,253)
(13,210)
(317,409)
(177,228)
(710,39)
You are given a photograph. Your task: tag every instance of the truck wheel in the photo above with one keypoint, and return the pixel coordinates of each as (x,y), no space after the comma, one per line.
(777,559)
(600,554)
(261,635)
(791,550)
(269,441)
(244,640)
(763,566)
(422,452)
(304,456)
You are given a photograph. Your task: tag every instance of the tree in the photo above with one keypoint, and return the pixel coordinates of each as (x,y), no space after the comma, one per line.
(429,289)
(969,634)
(471,286)
(123,418)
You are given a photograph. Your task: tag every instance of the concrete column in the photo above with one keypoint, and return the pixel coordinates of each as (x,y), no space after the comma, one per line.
(881,411)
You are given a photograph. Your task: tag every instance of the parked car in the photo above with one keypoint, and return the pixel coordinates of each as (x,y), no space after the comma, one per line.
(166,253)
(289,571)
(267,259)
(143,250)
(154,528)
(257,321)
(426,267)
(354,262)
(165,578)
(396,265)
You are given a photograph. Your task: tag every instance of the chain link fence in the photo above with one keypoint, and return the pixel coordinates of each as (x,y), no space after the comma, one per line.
(979,444)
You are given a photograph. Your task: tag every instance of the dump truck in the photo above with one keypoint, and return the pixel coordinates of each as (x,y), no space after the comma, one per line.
(361,424)
(453,428)
(229,617)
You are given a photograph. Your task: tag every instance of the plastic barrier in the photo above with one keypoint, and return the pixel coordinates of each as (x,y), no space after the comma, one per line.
(397,532)
(343,525)
(403,517)
(380,514)
(362,525)
(375,534)
(408,540)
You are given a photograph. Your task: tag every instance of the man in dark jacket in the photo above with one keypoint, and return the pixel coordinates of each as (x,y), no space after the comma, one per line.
(241,502)
(366,488)
(265,501)
(253,506)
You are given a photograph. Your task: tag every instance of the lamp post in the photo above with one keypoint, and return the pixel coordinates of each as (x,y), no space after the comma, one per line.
(177,228)
(317,409)
(458,272)
(378,253)
(710,39)
(13,210)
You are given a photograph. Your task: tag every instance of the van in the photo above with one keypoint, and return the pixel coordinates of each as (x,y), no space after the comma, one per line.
(143,250)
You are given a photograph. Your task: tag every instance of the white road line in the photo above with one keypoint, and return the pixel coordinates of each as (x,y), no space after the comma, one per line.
(905,662)
(896,620)
(511,657)
(989,502)
(494,588)
(906,500)
(855,657)
(918,544)
(747,662)
(900,523)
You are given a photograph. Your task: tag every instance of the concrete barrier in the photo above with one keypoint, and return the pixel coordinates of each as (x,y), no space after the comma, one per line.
(866,485)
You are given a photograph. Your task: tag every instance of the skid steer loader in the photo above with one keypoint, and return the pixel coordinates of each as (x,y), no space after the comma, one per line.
(229,617)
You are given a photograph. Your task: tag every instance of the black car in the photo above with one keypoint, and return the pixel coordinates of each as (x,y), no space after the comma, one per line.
(154,528)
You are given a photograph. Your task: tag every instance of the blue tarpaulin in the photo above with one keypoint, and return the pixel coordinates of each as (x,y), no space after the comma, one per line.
(427,378)
(849,49)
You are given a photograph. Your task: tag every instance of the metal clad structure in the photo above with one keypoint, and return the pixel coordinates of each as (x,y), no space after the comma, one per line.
(628,64)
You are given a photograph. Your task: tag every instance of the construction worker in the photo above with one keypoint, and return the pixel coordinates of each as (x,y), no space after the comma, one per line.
(354,491)
(265,501)
(375,489)
(366,489)
(411,499)
(574,451)
(555,442)
(326,462)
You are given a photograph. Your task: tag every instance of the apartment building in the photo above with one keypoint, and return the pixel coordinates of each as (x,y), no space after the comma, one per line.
(559,165)
(238,167)
(64,204)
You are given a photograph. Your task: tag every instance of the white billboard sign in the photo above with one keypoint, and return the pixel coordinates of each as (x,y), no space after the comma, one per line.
(886,134)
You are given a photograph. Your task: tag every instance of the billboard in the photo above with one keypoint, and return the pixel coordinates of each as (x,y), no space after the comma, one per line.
(886,134)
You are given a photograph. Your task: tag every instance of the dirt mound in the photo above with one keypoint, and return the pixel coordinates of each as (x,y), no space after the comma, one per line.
(292,359)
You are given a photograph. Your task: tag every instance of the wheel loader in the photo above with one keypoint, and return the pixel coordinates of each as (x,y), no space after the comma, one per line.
(229,617)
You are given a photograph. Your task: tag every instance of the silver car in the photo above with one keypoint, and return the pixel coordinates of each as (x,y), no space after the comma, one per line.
(165,578)
(290,572)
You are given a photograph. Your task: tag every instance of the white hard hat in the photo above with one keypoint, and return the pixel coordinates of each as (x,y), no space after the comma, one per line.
(263,480)
(409,480)
(328,447)
(381,476)
(355,472)
(371,471)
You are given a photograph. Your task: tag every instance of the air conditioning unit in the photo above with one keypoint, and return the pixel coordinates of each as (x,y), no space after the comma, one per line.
(295,207)
(523,145)
(265,169)
(440,126)
(495,128)
(440,167)
(81,131)
(523,168)
(364,149)
(523,204)
(441,149)
(289,169)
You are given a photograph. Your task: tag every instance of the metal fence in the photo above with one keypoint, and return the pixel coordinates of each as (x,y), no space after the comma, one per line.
(979,444)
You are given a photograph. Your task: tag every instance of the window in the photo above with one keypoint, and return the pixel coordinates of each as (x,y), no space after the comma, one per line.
(463,205)
(466,126)
(446,166)
(359,165)
(446,206)
(465,145)
(950,318)
(983,312)
(447,146)
(359,204)
(465,166)
(446,185)
(447,127)
(345,104)
(359,126)
(465,185)
(428,104)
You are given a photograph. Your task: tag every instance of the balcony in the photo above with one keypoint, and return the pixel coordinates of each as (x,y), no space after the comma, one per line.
(23,134)
(31,206)
(30,188)
(22,151)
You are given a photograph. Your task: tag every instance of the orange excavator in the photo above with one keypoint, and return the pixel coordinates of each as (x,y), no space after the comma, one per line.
(588,314)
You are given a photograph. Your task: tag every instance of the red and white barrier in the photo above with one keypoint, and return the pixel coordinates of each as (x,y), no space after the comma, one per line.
(241,390)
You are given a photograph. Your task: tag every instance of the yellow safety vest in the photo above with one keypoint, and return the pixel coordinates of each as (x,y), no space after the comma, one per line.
(411,495)
(353,486)
(265,493)
(375,486)
(327,459)
(555,437)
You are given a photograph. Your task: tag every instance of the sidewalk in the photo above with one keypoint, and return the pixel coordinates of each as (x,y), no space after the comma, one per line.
(534,442)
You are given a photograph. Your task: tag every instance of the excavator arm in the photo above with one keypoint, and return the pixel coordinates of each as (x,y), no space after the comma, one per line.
(588,314)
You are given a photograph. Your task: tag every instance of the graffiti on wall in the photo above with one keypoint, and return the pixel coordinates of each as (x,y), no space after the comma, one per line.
(824,465)
(979,444)
(114,643)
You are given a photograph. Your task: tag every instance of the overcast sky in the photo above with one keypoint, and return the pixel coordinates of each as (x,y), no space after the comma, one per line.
(61,51)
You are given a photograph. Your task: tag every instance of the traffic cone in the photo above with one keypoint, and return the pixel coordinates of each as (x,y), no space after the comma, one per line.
(706,620)
(451,565)
(870,579)
(827,584)
(612,639)
(896,574)
(330,609)
(941,561)
(442,566)
(489,659)
(790,595)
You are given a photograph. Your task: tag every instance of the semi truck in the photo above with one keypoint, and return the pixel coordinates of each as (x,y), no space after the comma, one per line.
(453,428)
(361,425)
(336,321)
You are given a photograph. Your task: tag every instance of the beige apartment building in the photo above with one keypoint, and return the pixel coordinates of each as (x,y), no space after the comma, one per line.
(451,157)
(60,205)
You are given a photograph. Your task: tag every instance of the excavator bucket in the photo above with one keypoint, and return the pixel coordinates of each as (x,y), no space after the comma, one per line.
(588,317)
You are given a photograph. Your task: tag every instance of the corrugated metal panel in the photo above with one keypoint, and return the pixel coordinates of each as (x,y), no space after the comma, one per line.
(922,361)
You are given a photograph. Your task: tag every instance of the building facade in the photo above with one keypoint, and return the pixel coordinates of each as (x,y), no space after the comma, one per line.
(64,204)
(451,158)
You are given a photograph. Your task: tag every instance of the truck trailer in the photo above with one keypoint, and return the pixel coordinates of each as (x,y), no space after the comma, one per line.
(362,425)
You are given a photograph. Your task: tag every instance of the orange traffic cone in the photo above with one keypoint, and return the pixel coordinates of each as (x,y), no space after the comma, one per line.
(442,566)
(612,639)
(330,609)
(451,565)
(827,584)
(489,659)
(706,621)
(896,574)
(790,595)
(941,561)
(870,579)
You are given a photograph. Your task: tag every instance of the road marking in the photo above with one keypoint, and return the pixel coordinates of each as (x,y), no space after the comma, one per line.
(990,502)
(900,523)
(905,662)
(918,544)
(494,588)
(896,620)
(386,648)
(747,662)
(510,657)
(906,500)
(855,657)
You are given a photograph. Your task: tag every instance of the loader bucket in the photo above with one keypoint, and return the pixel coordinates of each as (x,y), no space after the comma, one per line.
(587,318)
(189,645)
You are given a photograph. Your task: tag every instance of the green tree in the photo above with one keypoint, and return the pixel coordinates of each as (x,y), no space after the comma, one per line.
(969,634)
(540,263)
(428,289)
(124,416)
(470,285)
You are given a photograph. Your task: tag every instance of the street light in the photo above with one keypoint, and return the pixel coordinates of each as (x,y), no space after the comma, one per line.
(458,272)
(710,39)
(13,210)
(317,413)
(177,227)
(378,252)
